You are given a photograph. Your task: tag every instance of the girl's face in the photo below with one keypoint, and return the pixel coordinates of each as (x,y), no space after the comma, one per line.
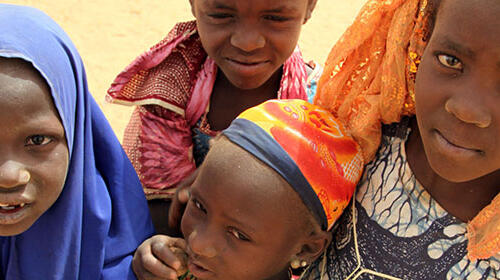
(458,91)
(250,39)
(240,225)
(33,150)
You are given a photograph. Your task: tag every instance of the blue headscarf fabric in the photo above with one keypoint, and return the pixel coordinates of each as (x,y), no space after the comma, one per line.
(101,216)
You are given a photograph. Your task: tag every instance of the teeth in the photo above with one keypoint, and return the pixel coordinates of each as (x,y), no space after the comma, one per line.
(10,207)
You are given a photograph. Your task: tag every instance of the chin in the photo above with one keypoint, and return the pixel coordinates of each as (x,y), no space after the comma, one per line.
(246,85)
(12,230)
(454,173)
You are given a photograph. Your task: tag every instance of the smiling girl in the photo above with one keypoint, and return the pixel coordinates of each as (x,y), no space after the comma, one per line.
(237,54)
(71,206)
(428,206)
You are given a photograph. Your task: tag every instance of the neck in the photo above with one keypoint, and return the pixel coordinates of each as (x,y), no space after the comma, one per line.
(228,101)
(463,200)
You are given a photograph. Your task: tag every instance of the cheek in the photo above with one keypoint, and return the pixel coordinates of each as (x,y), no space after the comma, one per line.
(54,173)
(187,221)
(427,89)
(284,41)
(212,38)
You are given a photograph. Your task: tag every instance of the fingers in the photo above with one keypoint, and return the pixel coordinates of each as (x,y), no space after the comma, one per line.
(179,201)
(153,259)
(162,249)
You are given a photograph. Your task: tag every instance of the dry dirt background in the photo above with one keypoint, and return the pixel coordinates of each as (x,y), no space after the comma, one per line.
(110,33)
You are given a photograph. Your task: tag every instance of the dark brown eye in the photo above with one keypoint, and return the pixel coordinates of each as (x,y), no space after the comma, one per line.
(450,61)
(198,205)
(37,140)
(238,235)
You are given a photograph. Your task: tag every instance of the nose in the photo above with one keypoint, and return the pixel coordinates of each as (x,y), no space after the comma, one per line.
(469,109)
(247,38)
(202,244)
(13,174)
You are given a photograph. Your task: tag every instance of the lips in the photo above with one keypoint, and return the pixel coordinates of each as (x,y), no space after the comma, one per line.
(452,144)
(12,213)
(10,206)
(247,67)
(199,270)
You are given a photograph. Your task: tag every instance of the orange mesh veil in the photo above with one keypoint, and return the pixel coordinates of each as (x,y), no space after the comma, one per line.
(483,232)
(369,79)
(372,69)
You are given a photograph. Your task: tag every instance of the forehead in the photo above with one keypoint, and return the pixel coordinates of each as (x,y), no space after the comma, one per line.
(474,20)
(242,188)
(23,88)
(255,5)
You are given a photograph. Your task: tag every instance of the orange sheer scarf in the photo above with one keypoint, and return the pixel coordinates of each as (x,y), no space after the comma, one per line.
(369,79)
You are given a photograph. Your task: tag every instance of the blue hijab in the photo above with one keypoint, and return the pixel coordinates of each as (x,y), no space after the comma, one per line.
(101,216)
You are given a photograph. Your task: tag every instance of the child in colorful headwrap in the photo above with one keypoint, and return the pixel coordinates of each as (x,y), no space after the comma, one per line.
(428,206)
(265,198)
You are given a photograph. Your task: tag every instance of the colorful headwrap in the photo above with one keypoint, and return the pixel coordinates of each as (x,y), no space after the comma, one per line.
(369,76)
(369,79)
(308,147)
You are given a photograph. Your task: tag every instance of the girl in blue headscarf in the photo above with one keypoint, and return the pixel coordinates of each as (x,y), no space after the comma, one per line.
(71,205)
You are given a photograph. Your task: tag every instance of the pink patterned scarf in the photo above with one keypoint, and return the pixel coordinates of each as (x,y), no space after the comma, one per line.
(177,75)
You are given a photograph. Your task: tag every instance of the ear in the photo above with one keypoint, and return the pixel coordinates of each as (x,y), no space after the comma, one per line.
(314,246)
(191,2)
(310,8)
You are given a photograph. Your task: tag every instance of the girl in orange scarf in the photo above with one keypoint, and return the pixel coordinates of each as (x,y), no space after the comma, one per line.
(417,83)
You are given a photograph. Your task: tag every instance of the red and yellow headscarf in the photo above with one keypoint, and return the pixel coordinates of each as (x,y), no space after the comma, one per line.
(308,147)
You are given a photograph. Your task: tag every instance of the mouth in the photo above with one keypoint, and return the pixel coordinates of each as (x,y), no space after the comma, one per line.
(11,213)
(454,147)
(6,207)
(199,270)
(247,62)
(247,67)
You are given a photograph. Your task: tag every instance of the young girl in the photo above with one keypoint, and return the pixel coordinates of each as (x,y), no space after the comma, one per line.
(264,199)
(71,206)
(193,83)
(428,206)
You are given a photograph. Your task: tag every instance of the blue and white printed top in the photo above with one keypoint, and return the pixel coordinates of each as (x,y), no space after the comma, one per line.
(396,230)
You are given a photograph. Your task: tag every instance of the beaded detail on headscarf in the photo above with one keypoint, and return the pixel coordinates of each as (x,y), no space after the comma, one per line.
(370,73)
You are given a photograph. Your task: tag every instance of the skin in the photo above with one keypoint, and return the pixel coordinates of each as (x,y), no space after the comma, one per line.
(249,41)
(457,108)
(228,220)
(234,33)
(230,215)
(33,150)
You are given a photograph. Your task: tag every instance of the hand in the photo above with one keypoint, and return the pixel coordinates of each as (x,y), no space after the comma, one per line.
(179,201)
(160,257)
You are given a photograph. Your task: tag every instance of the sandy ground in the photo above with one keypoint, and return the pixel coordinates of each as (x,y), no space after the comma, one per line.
(110,33)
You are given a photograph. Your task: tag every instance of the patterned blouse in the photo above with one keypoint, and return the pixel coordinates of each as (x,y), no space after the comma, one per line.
(395,230)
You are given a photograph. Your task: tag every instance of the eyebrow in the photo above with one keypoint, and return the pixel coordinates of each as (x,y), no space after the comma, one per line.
(219,5)
(452,45)
(281,9)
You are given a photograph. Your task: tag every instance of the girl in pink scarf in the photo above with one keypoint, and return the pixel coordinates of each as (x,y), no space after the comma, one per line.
(193,83)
